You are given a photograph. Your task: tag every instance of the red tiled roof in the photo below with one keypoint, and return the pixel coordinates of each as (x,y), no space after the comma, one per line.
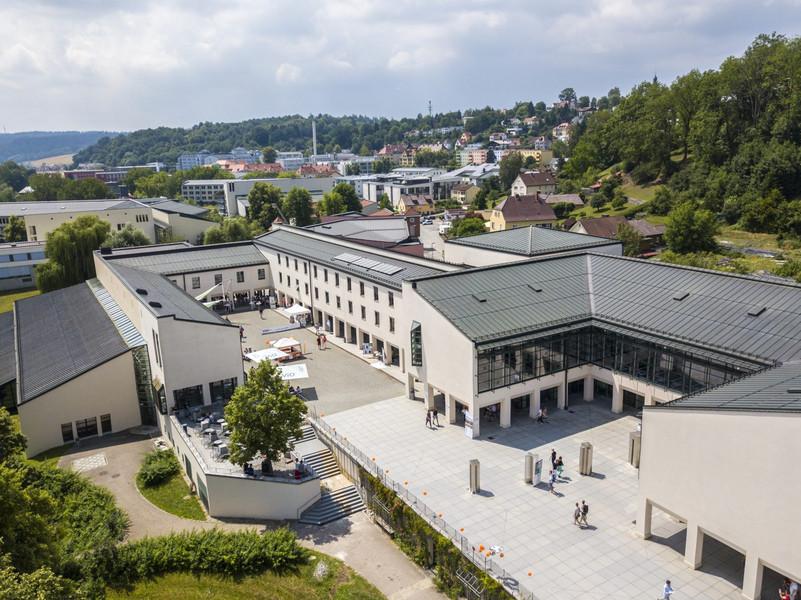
(537,178)
(525,208)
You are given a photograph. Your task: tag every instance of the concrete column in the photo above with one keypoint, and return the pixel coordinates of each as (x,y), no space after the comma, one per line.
(450,408)
(561,396)
(428,395)
(410,386)
(752,578)
(694,548)
(589,384)
(506,413)
(534,405)
(644,513)
(476,421)
(617,396)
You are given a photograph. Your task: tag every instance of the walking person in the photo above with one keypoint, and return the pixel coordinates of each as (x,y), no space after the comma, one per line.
(553,459)
(667,591)
(319,342)
(585,510)
(539,416)
(552,481)
(428,419)
(577,515)
(324,342)
(560,467)
(435,417)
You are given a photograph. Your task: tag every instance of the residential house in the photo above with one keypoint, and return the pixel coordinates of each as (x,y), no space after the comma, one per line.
(521,211)
(421,203)
(532,182)
(607,226)
(542,143)
(464,193)
(573,199)
(561,132)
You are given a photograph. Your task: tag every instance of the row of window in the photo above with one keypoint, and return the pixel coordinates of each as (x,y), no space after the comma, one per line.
(667,367)
(219,391)
(85,428)
(261,275)
(142,218)
(14,272)
(21,256)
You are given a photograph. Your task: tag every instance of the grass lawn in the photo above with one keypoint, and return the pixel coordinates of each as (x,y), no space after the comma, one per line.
(53,455)
(7,298)
(640,192)
(174,497)
(341,583)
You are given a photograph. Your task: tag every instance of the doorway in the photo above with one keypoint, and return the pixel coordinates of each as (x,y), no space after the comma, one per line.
(632,400)
(602,390)
(575,390)
(549,398)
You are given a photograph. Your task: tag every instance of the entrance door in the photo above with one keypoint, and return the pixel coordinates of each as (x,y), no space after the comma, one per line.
(395,355)
(352,339)
(341,329)
(550,398)
(602,390)
(632,400)
(575,390)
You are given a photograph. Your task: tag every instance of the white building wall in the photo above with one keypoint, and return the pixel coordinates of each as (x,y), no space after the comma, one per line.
(238,189)
(109,388)
(198,282)
(182,228)
(39,226)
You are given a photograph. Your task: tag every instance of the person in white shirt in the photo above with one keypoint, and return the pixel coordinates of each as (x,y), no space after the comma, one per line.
(794,591)
(667,591)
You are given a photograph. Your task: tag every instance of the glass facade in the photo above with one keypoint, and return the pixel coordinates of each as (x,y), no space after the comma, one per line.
(144,386)
(221,391)
(675,369)
(416,343)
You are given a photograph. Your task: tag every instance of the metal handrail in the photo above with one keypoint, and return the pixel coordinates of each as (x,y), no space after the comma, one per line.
(480,560)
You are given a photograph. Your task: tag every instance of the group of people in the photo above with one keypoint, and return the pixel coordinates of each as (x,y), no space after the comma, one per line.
(789,590)
(249,470)
(432,418)
(295,391)
(580,514)
(300,468)
(321,341)
(542,415)
(557,468)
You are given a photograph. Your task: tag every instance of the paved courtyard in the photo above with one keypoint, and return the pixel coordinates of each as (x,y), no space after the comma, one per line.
(534,529)
(337,379)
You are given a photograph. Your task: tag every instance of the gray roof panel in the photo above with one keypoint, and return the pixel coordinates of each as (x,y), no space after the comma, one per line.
(61,335)
(8,353)
(192,259)
(46,208)
(532,241)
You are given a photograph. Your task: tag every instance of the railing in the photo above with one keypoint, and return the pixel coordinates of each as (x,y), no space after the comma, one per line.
(478,558)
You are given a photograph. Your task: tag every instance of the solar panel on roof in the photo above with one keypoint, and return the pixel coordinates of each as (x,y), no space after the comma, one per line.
(347,257)
(367,263)
(387,269)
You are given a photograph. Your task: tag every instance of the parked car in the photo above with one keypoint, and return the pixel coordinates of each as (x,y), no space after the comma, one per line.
(427,221)
(444,227)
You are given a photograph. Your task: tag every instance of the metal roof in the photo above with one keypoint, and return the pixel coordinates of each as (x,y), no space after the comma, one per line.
(60,335)
(532,241)
(162,297)
(171,206)
(775,390)
(46,208)
(192,259)
(8,353)
(316,248)
(379,229)
(125,327)
(744,316)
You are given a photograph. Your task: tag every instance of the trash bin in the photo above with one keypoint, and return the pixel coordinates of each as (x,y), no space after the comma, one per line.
(585,458)
(635,445)
(475,473)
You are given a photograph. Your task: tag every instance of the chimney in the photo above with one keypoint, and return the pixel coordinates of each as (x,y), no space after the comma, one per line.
(314,141)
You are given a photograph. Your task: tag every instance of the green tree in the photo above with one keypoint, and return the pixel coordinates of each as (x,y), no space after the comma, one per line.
(467,226)
(269,154)
(567,95)
(430,158)
(509,168)
(491,156)
(232,229)
(298,207)
(662,202)
(14,175)
(41,584)
(14,231)
(691,229)
(264,200)
(382,165)
(69,249)
(45,187)
(598,201)
(348,195)
(332,204)
(263,416)
(85,189)
(12,442)
(133,176)
(562,209)
(790,222)
(619,199)
(127,237)
(762,214)
(630,238)
(383,202)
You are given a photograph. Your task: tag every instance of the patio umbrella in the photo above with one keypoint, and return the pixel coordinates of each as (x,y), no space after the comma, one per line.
(286,343)
(267,354)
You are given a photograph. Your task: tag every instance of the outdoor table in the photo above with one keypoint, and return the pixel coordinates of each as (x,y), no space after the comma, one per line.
(222,422)
(217,443)
(209,430)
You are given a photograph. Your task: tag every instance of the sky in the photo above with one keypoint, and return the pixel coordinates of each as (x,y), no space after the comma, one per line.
(120,65)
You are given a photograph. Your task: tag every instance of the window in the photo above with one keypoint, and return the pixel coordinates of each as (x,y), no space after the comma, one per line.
(260,274)
(336,279)
(196,283)
(361,288)
(221,391)
(392,324)
(327,298)
(280,277)
(391,298)
(417,344)
(364,313)
(325,275)
(314,270)
(377,318)
(286,260)
(66,432)
(350,307)
(86,427)
(349,284)
(156,348)
(305,268)
(375,293)
(105,423)
(316,293)
(289,281)
(279,258)
(33,229)
(296,264)
(188,396)
(240,276)
(306,287)
(339,302)
(217,278)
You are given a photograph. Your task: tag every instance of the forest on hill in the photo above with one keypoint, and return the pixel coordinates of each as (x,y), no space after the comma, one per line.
(33,145)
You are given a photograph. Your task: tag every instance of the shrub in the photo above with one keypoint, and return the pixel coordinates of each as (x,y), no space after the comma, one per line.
(597,201)
(234,554)
(158,467)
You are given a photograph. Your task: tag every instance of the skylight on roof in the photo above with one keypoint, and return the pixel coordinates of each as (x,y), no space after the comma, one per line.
(756,311)
(680,296)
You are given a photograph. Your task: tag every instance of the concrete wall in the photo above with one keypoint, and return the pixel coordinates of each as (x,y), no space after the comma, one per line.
(731,475)
(107,389)
(181,227)
(117,218)
(479,257)
(239,188)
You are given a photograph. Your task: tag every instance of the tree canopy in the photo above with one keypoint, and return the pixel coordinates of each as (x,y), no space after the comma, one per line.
(127,237)
(69,249)
(14,231)
(509,168)
(297,206)
(263,416)
(691,229)
(232,229)
(264,200)
(467,226)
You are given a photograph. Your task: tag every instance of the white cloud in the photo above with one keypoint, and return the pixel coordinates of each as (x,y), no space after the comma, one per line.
(114,64)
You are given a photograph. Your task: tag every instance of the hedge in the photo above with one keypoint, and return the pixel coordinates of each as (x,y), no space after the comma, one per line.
(158,467)
(429,548)
(233,554)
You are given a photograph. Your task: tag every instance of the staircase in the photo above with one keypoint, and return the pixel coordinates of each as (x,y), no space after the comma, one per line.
(322,462)
(333,506)
(307,433)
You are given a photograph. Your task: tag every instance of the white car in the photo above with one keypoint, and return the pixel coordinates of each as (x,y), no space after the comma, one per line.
(444,227)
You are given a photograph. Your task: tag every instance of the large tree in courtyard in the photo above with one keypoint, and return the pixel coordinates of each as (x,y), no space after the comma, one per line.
(691,229)
(69,248)
(264,200)
(127,237)
(263,416)
(298,207)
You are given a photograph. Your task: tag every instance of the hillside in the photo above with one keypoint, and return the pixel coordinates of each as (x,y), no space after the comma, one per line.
(33,145)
